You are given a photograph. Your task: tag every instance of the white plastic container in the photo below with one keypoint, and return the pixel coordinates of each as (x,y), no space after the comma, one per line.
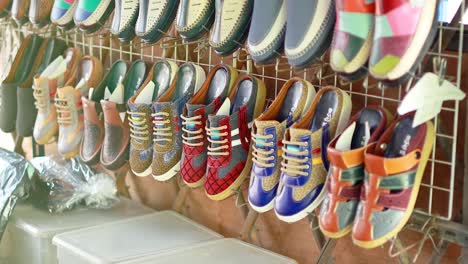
(130,239)
(30,231)
(224,251)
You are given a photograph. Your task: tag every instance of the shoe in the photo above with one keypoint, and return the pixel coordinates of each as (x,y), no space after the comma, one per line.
(194,18)
(309,30)
(125,17)
(155,18)
(352,38)
(115,148)
(92,15)
(229,155)
(19,11)
(45,87)
(207,101)
(400,44)
(5,7)
(304,166)
(167,133)
(267,30)
(19,72)
(93,133)
(394,167)
(231,25)
(140,105)
(346,172)
(39,12)
(293,100)
(62,13)
(70,108)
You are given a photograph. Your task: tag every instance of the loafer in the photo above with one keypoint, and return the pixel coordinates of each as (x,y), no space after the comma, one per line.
(5,7)
(62,13)
(309,30)
(267,30)
(19,11)
(125,18)
(231,25)
(39,12)
(155,18)
(194,18)
(90,16)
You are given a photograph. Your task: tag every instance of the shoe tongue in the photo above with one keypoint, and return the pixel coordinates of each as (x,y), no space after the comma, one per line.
(191,108)
(344,141)
(117,95)
(225,108)
(146,94)
(296,134)
(57,68)
(262,125)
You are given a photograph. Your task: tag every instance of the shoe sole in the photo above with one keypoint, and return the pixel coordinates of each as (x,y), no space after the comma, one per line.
(169,174)
(118,162)
(71,154)
(338,234)
(66,21)
(49,137)
(99,22)
(265,208)
(145,173)
(196,184)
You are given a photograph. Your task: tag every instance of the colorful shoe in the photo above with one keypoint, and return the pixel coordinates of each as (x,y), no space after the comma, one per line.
(352,39)
(194,18)
(92,15)
(19,11)
(155,19)
(157,83)
(394,167)
(229,155)
(116,145)
(293,100)
(304,166)
(309,30)
(93,135)
(70,108)
(5,7)
(45,86)
(39,12)
(62,13)
(267,30)
(346,172)
(231,25)
(400,44)
(125,18)
(207,101)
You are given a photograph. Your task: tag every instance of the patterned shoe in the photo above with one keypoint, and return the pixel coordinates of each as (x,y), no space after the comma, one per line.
(207,101)
(231,26)
(39,12)
(125,18)
(294,98)
(229,155)
(155,18)
(19,11)
(309,30)
(400,44)
(304,167)
(5,7)
(194,18)
(93,135)
(167,140)
(352,39)
(92,15)
(394,168)
(45,88)
(158,81)
(346,173)
(62,13)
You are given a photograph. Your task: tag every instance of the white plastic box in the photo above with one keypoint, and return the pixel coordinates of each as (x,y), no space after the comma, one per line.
(130,239)
(29,234)
(224,251)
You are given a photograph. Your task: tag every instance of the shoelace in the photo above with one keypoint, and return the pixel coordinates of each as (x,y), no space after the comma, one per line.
(291,165)
(139,128)
(192,134)
(216,132)
(262,157)
(63,111)
(161,130)
(40,98)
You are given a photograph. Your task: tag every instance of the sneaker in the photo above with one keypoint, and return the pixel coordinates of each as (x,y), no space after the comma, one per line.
(115,148)
(93,134)
(231,25)
(351,44)
(92,15)
(19,11)
(294,98)
(309,30)
(167,133)
(207,101)
(346,172)
(229,155)
(5,7)
(45,87)
(267,30)
(125,17)
(194,18)
(157,83)
(304,166)
(394,170)
(155,18)
(62,13)
(400,44)
(39,12)
(70,108)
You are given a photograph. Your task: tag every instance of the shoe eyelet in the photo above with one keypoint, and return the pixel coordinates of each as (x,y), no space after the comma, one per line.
(383,146)
(418,155)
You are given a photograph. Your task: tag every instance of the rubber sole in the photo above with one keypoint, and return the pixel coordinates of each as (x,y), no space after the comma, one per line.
(145,173)
(169,174)
(197,184)
(263,209)
(100,22)
(339,234)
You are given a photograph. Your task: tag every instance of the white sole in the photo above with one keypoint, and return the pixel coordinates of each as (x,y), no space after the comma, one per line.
(68,17)
(97,14)
(310,97)
(265,208)
(143,174)
(304,213)
(169,174)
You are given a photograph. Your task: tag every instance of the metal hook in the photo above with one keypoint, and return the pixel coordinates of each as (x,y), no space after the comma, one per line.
(440,68)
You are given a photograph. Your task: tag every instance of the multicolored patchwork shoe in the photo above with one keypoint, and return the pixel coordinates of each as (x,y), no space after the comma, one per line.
(207,101)
(352,39)
(125,18)
(194,18)
(39,12)
(92,15)
(155,18)
(140,105)
(229,155)
(293,100)
(5,7)
(394,167)
(231,25)
(346,172)
(62,13)
(19,11)
(304,166)
(400,44)
(167,140)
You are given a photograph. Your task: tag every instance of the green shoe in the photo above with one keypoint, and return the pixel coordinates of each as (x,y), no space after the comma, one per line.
(92,15)
(155,18)
(194,18)
(125,18)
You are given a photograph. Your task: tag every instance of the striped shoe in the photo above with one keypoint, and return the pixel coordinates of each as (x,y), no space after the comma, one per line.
(62,13)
